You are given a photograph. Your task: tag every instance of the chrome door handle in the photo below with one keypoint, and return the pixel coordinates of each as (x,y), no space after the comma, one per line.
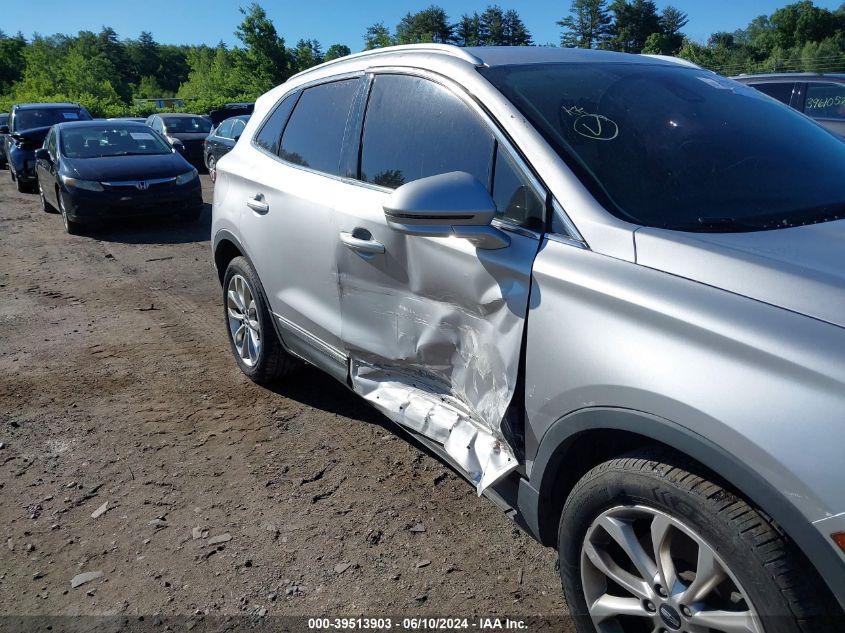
(361,245)
(258,204)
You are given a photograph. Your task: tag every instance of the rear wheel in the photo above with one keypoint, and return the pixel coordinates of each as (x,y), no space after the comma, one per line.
(72,228)
(252,337)
(651,543)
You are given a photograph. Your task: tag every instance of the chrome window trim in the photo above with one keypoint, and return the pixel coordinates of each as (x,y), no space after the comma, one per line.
(572,235)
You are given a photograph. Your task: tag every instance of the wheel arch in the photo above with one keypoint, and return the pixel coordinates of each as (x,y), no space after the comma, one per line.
(226,248)
(583,439)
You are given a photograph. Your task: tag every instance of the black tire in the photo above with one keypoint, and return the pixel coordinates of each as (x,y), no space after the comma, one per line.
(211,166)
(71,227)
(272,362)
(46,207)
(23,187)
(780,583)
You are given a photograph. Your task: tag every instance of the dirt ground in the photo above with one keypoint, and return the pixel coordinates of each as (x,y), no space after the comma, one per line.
(117,387)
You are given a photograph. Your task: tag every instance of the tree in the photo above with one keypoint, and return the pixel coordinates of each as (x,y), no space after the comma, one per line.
(143,54)
(633,22)
(516,33)
(11,60)
(428,25)
(335,51)
(493,29)
(307,53)
(468,31)
(587,26)
(377,36)
(671,22)
(265,60)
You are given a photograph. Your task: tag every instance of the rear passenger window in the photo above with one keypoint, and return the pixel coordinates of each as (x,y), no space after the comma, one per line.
(270,133)
(314,135)
(416,128)
(825,101)
(780,91)
(516,199)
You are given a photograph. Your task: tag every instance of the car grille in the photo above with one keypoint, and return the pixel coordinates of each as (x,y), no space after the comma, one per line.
(139,185)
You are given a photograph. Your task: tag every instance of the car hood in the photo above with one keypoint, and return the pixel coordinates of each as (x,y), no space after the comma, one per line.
(801,269)
(116,168)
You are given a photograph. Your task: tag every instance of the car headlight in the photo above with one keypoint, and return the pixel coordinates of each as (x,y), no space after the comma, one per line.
(188,176)
(88,185)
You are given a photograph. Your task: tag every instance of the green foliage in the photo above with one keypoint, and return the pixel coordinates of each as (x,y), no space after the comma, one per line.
(264,61)
(377,36)
(336,51)
(308,53)
(796,37)
(587,26)
(428,25)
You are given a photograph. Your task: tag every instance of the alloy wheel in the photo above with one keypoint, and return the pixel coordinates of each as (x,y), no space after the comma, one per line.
(63,211)
(211,164)
(643,570)
(244,326)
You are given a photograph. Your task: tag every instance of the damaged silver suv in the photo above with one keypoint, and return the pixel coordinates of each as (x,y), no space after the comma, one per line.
(607,289)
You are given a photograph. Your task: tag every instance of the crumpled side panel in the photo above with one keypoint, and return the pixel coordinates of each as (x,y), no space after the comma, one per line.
(433,330)
(483,456)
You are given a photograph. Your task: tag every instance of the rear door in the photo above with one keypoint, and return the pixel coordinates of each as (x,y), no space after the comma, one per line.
(288,219)
(433,326)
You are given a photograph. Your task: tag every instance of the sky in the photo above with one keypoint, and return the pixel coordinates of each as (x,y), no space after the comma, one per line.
(329,21)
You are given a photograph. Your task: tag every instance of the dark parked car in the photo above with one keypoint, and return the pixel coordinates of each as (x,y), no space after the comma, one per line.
(229,110)
(98,170)
(186,132)
(4,122)
(28,125)
(221,141)
(136,119)
(821,97)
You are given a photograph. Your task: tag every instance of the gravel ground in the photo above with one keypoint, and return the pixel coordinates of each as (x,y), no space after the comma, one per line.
(131,443)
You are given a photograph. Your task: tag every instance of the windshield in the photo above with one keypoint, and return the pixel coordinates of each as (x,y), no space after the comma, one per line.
(187,125)
(109,140)
(681,148)
(31,119)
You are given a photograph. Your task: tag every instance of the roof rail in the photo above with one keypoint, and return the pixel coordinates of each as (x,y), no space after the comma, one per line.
(442,49)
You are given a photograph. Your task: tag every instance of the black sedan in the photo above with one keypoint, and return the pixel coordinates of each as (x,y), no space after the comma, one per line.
(221,141)
(98,170)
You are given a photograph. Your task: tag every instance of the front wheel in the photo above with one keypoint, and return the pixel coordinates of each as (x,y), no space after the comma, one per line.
(211,165)
(46,207)
(651,542)
(72,228)
(252,338)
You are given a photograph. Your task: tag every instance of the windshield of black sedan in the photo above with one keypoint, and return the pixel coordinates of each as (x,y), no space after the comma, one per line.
(101,141)
(30,119)
(187,125)
(680,148)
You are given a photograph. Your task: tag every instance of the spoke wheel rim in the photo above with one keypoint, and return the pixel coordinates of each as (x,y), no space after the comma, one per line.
(63,211)
(212,168)
(644,570)
(242,316)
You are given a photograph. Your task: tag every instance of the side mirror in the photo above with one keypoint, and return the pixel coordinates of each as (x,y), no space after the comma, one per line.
(446,205)
(4,129)
(237,136)
(42,154)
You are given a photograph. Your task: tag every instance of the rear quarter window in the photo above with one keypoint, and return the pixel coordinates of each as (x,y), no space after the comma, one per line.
(825,101)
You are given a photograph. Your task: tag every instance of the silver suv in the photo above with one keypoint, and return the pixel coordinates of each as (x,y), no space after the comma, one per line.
(607,289)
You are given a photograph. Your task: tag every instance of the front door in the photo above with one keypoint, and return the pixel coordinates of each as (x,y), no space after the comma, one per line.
(432,326)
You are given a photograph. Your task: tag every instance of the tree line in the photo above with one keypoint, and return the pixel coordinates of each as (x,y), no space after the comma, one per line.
(110,75)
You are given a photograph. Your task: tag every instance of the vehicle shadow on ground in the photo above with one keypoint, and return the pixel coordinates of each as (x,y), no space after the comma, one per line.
(155,230)
(314,388)
(310,386)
